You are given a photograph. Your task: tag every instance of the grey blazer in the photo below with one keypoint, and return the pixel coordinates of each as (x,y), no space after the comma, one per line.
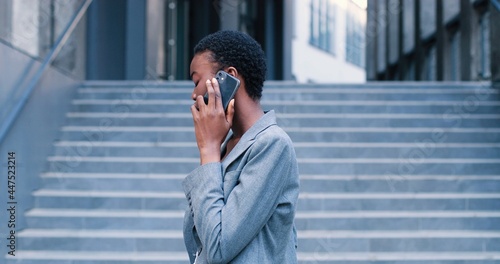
(241,210)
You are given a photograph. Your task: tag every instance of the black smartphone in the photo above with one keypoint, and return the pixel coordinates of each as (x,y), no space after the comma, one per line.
(228,86)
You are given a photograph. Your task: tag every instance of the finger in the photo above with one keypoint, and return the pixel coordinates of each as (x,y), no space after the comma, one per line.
(218,97)
(200,103)
(194,111)
(211,94)
(230,113)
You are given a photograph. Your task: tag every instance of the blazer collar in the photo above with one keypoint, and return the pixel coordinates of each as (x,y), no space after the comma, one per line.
(267,120)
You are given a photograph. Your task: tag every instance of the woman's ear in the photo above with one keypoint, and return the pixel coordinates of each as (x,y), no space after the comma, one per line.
(233,71)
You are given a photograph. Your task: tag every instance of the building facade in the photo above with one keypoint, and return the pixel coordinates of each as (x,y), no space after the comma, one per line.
(328,41)
(155,38)
(433,40)
(305,41)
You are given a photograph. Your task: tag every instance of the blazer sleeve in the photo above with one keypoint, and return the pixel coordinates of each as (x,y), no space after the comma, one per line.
(190,235)
(225,228)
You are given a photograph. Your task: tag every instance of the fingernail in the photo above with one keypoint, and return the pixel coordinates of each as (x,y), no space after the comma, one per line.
(214,80)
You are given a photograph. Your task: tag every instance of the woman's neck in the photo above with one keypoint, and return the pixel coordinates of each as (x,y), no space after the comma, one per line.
(247,113)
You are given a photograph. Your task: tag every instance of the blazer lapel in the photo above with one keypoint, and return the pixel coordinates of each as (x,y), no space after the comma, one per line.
(248,138)
(239,149)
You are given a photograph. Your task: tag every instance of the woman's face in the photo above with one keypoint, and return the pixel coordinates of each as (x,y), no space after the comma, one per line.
(201,70)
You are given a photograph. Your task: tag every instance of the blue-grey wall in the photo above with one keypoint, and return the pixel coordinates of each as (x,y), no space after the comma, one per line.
(34,130)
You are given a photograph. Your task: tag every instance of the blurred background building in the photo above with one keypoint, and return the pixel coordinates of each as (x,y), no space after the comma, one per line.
(328,41)
(307,41)
(433,40)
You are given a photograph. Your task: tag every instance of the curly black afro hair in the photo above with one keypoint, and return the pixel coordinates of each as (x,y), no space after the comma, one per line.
(239,50)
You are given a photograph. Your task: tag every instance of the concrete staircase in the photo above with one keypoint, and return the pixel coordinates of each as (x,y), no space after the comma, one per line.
(390,173)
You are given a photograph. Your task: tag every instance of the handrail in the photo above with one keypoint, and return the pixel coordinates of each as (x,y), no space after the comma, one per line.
(496,4)
(63,37)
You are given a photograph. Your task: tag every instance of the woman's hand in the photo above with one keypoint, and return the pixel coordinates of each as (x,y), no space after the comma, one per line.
(211,123)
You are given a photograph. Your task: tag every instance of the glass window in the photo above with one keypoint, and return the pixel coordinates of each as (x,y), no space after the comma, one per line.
(429,70)
(410,71)
(484,46)
(34,26)
(355,36)
(322,25)
(25,26)
(454,57)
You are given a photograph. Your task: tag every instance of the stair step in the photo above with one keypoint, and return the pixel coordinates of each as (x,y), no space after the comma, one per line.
(398,201)
(337,106)
(401,257)
(288,84)
(187,102)
(294,93)
(297,120)
(358,107)
(101,240)
(80,257)
(105,219)
(293,89)
(326,241)
(404,165)
(151,257)
(401,184)
(308,241)
(303,195)
(303,149)
(415,165)
(149,200)
(99,257)
(45,198)
(113,132)
(398,220)
(397,234)
(329,242)
(384,183)
(334,177)
(102,184)
(305,220)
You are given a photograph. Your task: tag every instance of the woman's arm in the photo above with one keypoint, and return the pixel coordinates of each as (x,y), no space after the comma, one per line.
(226,227)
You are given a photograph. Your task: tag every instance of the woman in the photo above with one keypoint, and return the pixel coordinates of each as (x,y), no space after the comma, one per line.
(242,197)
